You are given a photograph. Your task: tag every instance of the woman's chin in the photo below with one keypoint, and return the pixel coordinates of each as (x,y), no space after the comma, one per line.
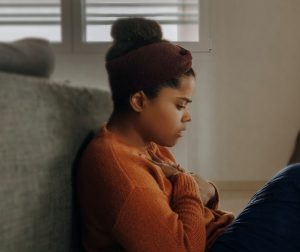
(172,142)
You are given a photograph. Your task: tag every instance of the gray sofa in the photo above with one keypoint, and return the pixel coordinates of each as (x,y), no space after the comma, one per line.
(43,127)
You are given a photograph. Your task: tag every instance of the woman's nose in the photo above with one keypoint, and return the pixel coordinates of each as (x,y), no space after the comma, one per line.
(186,116)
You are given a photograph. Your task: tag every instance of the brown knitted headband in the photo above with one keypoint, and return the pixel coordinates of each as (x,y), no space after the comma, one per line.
(148,66)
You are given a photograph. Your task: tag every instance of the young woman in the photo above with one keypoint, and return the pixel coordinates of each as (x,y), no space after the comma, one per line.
(133,196)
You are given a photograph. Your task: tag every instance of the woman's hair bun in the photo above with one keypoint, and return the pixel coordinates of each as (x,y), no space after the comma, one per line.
(136,29)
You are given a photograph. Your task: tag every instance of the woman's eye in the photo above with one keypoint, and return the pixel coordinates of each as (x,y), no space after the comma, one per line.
(180,107)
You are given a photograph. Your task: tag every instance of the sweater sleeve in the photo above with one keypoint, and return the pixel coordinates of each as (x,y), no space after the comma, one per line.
(148,223)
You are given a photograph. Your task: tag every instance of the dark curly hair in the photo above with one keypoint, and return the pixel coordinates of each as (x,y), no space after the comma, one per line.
(130,34)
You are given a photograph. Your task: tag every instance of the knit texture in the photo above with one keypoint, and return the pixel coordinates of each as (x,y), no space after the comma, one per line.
(128,204)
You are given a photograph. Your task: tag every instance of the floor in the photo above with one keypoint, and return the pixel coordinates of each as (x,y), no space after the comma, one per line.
(235,201)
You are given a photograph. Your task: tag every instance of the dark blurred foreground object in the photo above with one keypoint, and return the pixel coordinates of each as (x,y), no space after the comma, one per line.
(28,56)
(295,158)
(44,126)
(270,221)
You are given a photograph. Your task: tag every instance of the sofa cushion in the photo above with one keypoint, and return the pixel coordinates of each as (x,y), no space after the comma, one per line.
(30,56)
(42,126)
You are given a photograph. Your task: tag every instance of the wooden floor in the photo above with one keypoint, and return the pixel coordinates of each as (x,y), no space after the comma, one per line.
(235,201)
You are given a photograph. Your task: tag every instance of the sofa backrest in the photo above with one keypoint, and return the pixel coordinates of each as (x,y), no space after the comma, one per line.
(43,124)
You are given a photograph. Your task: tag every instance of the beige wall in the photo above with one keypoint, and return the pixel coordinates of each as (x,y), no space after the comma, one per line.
(246,109)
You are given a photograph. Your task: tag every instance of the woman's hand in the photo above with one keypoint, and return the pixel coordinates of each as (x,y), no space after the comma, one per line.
(207,190)
(167,168)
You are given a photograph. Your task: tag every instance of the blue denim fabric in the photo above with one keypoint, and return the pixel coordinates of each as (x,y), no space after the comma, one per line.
(271,220)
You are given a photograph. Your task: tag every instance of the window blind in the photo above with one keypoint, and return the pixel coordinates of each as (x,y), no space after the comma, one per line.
(179,18)
(24,18)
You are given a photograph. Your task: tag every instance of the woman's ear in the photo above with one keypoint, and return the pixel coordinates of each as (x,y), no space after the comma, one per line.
(137,101)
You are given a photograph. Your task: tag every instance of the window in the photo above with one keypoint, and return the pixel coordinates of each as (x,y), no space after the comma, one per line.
(185,22)
(30,18)
(178,18)
(84,25)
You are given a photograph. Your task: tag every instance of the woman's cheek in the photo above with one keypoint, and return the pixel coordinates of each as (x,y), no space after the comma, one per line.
(174,119)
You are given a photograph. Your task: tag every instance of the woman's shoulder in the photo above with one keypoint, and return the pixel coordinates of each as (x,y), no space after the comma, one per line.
(106,150)
(108,158)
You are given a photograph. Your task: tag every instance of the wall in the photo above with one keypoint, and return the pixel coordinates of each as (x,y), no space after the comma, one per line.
(246,109)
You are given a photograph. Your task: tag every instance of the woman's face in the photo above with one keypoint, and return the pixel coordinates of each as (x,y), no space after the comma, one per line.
(164,118)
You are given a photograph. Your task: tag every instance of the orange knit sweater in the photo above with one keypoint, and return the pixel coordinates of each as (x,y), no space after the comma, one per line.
(127,203)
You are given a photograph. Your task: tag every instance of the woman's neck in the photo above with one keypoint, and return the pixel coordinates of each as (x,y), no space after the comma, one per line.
(125,127)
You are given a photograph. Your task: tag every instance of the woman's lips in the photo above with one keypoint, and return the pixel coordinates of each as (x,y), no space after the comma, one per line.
(180,133)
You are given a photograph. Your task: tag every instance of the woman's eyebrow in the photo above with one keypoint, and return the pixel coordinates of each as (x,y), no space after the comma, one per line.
(185,98)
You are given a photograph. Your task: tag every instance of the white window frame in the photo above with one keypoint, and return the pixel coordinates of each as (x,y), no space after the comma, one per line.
(72,31)
(66,28)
